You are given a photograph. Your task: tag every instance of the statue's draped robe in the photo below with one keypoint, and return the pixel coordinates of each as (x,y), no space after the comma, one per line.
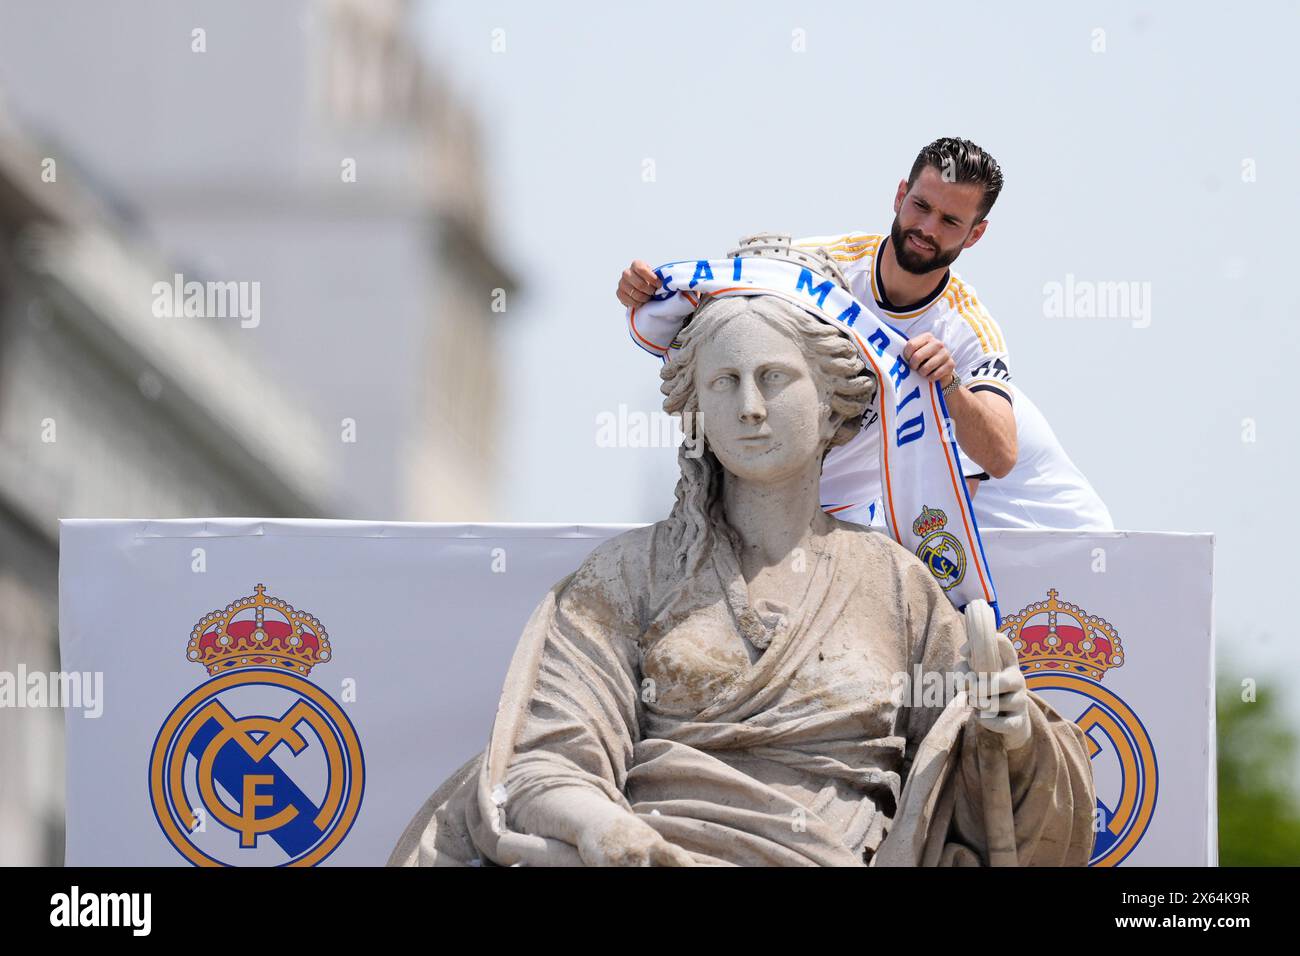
(772,734)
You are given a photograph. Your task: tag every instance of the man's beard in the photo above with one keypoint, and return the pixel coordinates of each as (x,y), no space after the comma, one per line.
(910,260)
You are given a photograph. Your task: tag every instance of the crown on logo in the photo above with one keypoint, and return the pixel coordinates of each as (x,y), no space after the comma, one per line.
(243,635)
(929,520)
(1052,635)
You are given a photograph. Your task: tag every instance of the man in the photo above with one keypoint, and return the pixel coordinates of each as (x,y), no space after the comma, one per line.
(1010,456)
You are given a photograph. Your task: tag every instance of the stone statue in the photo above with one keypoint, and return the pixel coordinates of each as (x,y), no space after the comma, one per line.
(722,687)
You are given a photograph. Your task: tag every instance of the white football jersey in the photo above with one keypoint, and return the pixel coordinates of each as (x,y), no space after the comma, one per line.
(1043,490)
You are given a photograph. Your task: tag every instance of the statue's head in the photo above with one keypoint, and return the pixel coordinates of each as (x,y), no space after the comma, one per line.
(765,385)
(764,388)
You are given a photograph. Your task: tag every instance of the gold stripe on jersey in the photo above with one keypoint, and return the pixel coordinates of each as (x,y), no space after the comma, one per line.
(958,305)
(984,382)
(849,247)
(845,239)
(982,315)
(994,330)
(968,306)
(977,385)
(853,256)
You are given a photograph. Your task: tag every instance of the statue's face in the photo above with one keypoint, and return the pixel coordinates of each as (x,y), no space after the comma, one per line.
(760,406)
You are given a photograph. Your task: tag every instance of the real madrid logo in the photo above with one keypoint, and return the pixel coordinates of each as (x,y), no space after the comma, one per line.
(257,766)
(1064,653)
(939,551)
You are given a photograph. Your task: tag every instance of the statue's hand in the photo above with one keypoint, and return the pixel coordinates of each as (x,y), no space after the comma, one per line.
(624,840)
(1002,699)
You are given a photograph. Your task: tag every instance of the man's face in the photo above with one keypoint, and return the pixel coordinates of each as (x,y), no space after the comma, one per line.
(934,221)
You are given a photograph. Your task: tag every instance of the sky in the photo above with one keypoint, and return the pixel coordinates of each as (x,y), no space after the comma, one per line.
(1147,144)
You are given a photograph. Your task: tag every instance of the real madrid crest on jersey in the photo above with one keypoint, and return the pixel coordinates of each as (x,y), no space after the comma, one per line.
(939,551)
(1064,652)
(257,766)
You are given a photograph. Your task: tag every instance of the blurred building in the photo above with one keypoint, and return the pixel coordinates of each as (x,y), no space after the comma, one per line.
(309,147)
(306,149)
(106,411)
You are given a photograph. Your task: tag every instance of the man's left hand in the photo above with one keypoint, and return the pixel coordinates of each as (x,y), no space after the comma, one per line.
(930,358)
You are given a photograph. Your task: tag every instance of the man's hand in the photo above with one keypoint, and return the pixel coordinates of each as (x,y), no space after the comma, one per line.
(926,355)
(638,284)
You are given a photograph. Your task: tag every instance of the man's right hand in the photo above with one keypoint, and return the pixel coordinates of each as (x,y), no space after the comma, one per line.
(638,284)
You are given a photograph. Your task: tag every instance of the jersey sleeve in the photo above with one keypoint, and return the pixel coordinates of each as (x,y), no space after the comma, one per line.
(980,351)
(980,354)
(844,248)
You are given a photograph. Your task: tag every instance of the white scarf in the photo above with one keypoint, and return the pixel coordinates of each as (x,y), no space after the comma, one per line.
(927,508)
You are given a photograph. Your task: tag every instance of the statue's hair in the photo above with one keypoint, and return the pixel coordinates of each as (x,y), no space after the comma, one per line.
(845,384)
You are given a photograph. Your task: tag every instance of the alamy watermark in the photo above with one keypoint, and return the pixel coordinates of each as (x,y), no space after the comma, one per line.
(922,688)
(1089,299)
(208,300)
(81,690)
(630,428)
(133,911)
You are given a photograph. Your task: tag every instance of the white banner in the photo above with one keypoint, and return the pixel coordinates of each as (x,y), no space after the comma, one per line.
(279,691)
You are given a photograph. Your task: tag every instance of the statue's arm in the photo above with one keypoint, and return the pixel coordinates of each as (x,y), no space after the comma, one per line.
(936,635)
(573,748)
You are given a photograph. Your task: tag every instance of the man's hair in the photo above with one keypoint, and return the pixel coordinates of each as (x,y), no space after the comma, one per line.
(961,161)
